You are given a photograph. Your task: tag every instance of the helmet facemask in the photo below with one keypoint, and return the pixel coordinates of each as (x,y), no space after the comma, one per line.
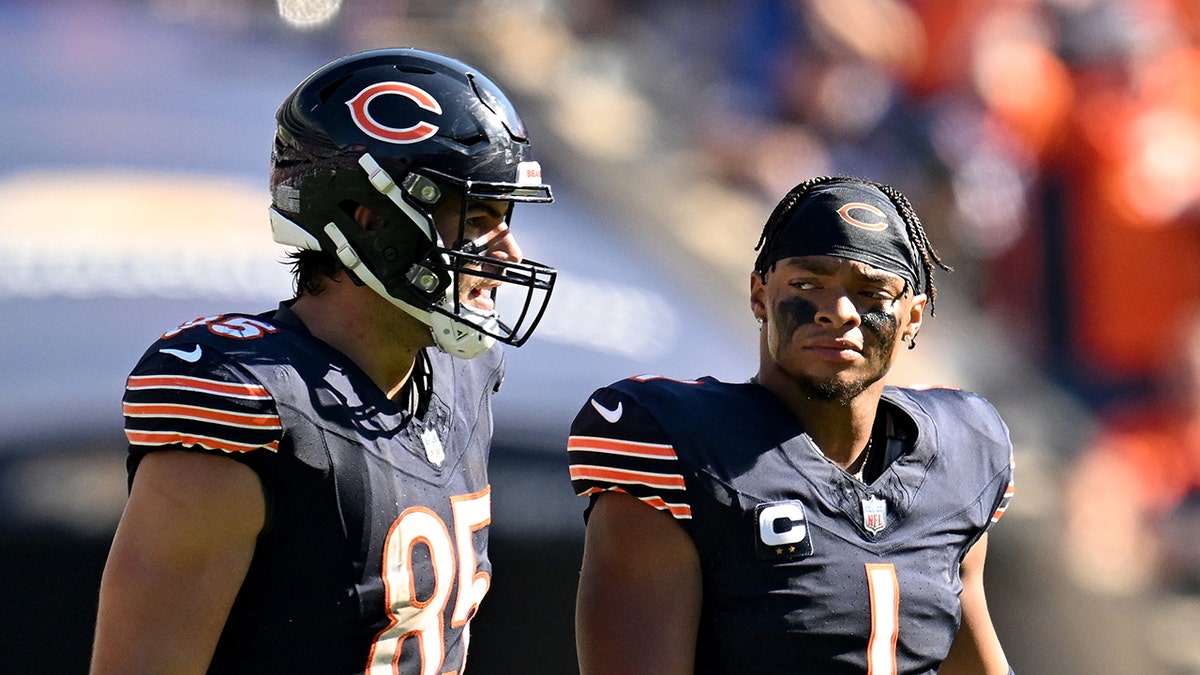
(432,289)
(468,313)
(527,285)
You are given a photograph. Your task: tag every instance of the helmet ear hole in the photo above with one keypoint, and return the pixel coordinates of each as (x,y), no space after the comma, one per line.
(367,219)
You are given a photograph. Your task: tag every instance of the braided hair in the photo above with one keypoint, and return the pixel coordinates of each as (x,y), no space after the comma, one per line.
(915,231)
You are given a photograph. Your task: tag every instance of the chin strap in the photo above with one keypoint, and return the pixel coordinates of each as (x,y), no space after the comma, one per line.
(452,336)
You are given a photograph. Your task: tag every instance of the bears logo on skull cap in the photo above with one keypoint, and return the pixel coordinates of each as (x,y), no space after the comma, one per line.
(845,211)
(830,221)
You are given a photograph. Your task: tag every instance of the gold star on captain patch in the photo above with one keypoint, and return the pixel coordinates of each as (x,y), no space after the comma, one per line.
(779,551)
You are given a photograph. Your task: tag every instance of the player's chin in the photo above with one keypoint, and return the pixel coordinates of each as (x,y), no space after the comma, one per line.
(842,387)
(839,371)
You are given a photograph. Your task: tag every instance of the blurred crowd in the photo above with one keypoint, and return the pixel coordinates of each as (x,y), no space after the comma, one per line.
(1053,148)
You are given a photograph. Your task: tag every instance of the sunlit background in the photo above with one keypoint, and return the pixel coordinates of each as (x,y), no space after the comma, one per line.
(1052,148)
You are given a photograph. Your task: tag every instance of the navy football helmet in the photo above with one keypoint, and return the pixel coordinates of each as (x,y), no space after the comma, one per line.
(398,131)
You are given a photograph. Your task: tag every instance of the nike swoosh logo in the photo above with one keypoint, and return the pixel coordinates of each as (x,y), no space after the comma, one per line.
(610,416)
(189,356)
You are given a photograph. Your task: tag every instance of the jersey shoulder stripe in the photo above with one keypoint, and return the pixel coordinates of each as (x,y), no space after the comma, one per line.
(1009,491)
(151,438)
(197,384)
(197,413)
(680,511)
(614,446)
(210,405)
(594,473)
(629,454)
(1003,507)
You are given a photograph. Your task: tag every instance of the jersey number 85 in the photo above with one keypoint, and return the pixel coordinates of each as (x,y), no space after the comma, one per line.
(424,619)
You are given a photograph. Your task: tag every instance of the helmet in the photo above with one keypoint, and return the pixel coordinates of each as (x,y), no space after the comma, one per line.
(399,131)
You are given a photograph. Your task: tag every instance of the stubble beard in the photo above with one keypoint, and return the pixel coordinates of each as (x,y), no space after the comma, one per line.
(834,391)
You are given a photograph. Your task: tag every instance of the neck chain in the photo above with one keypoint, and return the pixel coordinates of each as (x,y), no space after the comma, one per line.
(866,457)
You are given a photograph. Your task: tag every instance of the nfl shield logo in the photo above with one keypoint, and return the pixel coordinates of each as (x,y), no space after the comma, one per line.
(874,514)
(434,451)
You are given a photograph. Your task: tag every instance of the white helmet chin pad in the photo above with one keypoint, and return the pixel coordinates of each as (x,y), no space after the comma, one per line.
(459,338)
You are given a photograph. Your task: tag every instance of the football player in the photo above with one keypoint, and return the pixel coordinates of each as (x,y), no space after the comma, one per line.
(308,488)
(812,519)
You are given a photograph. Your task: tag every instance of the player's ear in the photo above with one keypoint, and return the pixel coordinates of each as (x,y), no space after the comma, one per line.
(758,297)
(368,219)
(914,315)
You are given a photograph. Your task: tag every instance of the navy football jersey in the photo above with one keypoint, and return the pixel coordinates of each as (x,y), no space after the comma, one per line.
(806,568)
(374,556)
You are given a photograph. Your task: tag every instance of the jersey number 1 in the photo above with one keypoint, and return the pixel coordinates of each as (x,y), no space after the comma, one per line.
(884,589)
(423,619)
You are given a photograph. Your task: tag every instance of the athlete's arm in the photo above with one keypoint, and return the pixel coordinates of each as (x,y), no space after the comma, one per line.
(179,556)
(639,592)
(976,648)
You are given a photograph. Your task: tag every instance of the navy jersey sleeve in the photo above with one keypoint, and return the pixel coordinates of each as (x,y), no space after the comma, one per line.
(184,394)
(978,439)
(1010,486)
(616,444)
(992,433)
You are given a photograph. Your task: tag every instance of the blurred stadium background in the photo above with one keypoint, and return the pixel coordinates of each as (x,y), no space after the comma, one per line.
(1051,146)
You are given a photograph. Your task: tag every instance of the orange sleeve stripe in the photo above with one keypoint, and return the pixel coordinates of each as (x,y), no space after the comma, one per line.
(677,510)
(616,447)
(189,440)
(597,490)
(1004,502)
(202,414)
(196,384)
(999,512)
(605,474)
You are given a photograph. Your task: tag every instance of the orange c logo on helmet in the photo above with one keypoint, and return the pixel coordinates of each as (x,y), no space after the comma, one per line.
(844,212)
(414,134)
